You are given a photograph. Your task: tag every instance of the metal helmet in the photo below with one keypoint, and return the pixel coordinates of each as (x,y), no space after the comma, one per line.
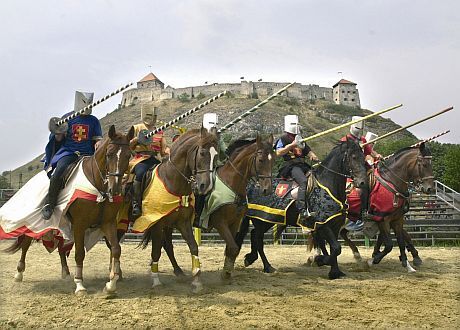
(370,136)
(210,120)
(356,129)
(82,100)
(291,124)
(149,115)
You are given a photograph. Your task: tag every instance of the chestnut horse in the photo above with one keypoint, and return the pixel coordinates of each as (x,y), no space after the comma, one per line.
(189,169)
(412,164)
(248,159)
(104,170)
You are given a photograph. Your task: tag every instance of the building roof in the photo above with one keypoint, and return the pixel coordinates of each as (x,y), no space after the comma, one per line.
(344,82)
(149,77)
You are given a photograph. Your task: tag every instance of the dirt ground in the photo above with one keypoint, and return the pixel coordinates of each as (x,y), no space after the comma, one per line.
(296,296)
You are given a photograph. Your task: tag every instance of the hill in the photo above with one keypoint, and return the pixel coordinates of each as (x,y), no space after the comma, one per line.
(315,116)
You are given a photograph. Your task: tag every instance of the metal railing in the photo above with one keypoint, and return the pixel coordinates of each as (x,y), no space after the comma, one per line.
(447,195)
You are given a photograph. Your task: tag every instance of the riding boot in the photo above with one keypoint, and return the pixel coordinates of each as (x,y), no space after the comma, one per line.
(51,198)
(364,197)
(137,199)
(302,203)
(199,206)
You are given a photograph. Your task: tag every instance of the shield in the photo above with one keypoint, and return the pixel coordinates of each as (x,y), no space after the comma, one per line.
(282,189)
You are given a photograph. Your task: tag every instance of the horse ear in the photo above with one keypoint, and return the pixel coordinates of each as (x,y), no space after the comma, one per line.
(112,132)
(422,147)
(258,139)
(270,139)
(130,135)
(203,131)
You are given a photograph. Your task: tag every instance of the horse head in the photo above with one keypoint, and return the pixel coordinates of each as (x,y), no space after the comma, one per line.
(117,154)
(354,162)
(421,172)
(263,164)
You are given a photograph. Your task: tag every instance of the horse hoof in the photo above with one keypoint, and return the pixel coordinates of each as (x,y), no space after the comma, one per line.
(81,292)
(417,262)
(226,277)
(370,262)
(336,275)
(18,277)
(357,257)
(249,259)
(179,273)
(197,287)
(270,270)
(110,287)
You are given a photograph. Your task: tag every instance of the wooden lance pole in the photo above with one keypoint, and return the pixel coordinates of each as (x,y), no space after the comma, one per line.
(92,105)
(317,135)
(254,108)
(407,126)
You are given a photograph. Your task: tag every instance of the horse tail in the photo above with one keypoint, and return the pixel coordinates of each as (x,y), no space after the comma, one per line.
(279,231)
(146,237)
(16,246)
(241,234)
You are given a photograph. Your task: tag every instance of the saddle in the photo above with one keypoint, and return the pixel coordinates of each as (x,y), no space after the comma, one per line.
(70,169)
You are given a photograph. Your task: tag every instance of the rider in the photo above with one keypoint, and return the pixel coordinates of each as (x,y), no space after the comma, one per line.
(294,155)
(146,152)
(79,137)
(210,120)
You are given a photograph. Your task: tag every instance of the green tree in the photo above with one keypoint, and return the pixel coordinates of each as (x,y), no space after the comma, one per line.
(387,147)
(451,176)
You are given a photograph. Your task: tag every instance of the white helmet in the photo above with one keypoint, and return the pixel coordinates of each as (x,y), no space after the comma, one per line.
(357,128)
(149,115)
(370,136)
(210,120)
(291,124)
(82,100)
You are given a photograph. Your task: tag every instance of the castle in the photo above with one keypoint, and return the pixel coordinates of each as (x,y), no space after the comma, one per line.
(150,88)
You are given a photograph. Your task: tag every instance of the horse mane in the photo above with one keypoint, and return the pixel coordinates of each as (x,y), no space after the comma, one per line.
(237,145)
(335,150)
(425,152)
(208,138)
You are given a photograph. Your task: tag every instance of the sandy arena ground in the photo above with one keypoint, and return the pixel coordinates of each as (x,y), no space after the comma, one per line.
(296,297)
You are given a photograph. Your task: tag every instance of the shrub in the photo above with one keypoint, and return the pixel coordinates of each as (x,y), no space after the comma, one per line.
(200,96)
(184,98)
(345,110)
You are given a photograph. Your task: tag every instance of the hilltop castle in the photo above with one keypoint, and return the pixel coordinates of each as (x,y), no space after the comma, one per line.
(150,88)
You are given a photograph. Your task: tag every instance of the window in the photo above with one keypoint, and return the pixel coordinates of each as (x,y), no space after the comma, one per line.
(354,92)
(352,100)
(343,91)
(345,99)
(335,100)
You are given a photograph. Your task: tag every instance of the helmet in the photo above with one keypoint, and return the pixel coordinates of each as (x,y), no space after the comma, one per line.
(291,124)
(210,120)
(149,115)
(82,100)
(370,136)
(357,128)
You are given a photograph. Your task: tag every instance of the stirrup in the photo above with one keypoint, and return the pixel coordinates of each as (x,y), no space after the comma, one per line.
(47,211)
(137,210)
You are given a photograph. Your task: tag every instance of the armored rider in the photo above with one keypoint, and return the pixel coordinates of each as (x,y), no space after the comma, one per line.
(294,154)
(78,137)
(146,152)
(210,120)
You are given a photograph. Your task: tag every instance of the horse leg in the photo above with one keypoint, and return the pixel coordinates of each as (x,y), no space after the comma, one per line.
(411,248)
(336,249)
(231,248)
(318,259)
(187,233)
(384,228)
(25,244)
(249,258)
(169,248)
(349,242)
(398,229)
(110,231)
(260,248)
(378,245)
(65,272)
(157,239)
(79,238)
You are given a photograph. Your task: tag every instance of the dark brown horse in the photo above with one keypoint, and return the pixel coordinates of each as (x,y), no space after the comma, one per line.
(189,169)
(344,160)
(408,165)
(247,159)
(104,170)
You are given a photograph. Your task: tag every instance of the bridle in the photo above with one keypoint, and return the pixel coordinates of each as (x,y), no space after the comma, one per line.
(252,165)
(345,162)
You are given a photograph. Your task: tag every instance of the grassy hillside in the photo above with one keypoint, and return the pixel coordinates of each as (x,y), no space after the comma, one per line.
(314,116)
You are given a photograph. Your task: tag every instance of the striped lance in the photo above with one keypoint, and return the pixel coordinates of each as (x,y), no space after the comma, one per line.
(407,126)
(254,108)
(182,116)
(423,141)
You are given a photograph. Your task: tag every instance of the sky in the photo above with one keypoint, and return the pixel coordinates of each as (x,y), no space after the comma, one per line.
(397,51)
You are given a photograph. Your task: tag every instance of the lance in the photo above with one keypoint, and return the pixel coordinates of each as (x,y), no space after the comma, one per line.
(53,124)
(423,141)
(407,126)
(179,128)
(144,137)
(349,123)
(254,108)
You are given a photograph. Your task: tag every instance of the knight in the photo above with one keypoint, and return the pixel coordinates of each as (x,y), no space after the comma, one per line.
(146,153)
(69,141)
(294,153)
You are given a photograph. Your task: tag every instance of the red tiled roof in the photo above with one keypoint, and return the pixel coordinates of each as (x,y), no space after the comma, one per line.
(344,81)
(149,77)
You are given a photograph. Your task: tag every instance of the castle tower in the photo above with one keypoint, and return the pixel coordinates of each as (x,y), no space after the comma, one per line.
(345,92)
(149,81)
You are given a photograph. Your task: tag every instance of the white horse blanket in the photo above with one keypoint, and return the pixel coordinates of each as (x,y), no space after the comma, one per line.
(21,215)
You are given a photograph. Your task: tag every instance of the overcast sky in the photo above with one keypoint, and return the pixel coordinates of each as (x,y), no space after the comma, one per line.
(396,51)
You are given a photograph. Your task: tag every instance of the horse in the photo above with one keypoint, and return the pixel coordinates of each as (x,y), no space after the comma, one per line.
(104,171)
(411,164)
(345,160)
(189,169)
(248,159)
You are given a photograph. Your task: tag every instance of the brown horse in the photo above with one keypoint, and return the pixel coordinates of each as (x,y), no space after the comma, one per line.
(189,169)
(247,159)
(104,170)
(408,165)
